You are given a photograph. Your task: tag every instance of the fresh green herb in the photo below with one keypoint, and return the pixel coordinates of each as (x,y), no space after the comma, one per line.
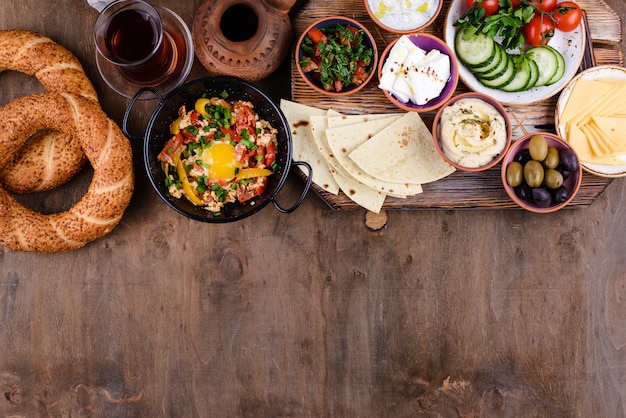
(219,192)
(508,22)
(249,144)
(191,129)
(202,184)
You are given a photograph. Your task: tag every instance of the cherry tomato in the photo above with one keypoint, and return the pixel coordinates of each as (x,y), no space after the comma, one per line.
(516,3)
(567,16)
(539,30)
(545,5)
(490,6)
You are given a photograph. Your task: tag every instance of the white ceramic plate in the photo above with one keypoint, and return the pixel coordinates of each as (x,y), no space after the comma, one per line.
(593,73)
(570,44)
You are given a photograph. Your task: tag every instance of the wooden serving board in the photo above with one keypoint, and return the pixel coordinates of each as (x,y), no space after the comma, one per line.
(460,190)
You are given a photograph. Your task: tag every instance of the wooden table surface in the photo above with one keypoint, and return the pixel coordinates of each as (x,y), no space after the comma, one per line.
(439,313)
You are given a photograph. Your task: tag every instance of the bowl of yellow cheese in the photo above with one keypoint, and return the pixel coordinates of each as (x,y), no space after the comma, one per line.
(591,116)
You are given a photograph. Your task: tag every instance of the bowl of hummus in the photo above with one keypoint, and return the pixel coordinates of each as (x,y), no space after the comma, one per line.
(472,131)
(403,16)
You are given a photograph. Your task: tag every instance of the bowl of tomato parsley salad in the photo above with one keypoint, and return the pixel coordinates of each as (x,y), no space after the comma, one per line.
(218,149)
(336,56)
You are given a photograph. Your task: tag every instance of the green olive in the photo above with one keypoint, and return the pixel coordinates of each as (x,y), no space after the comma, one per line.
(514,174)
(533,173)
(552,158)
(552,179)
(538,147)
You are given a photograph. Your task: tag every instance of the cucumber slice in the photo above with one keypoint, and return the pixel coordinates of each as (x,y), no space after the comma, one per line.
(503,79)
(499,69)
(497,64)
(476,51)
(520,80)
(561,66)
(534,75)
(546,61)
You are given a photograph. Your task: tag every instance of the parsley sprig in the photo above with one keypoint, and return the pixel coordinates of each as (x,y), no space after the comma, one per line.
(507,23)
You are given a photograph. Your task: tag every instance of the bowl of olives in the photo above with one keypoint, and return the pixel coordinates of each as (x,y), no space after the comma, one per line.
(541,172)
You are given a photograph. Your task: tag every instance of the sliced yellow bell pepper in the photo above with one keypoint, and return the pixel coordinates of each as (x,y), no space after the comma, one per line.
(200,106)
(182,176)
(248,173)
(175,126)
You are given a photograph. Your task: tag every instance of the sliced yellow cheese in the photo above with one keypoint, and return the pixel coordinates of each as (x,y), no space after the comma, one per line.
(579,142)
(594,120)
(613,129)
(584,95)
(612,146)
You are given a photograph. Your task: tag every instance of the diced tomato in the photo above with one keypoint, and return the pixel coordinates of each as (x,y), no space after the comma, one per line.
(360,75)
(221,182)
(188,137)
(317,36)
(262,186)
(234,136)
(194,116)
(312,66)
(338,85)
(171,148)
(270,155)
(241,152)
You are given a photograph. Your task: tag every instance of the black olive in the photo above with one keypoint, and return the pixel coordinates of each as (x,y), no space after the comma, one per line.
(523,156)
(542,197)
(561,194)
(523,191)
(568,159)
(564,172)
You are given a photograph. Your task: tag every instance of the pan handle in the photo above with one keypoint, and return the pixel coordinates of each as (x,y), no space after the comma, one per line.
(307,186)
(131,104)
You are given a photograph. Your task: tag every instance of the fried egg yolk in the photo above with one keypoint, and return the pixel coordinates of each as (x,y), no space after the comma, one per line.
(221,160)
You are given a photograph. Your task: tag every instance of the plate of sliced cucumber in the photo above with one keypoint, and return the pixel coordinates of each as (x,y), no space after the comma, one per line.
(513,77)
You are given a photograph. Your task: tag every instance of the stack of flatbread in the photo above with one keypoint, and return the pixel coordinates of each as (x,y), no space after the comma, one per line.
(368,157)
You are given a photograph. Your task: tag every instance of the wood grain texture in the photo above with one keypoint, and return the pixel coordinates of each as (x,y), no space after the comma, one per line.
(459,190)
(490,313)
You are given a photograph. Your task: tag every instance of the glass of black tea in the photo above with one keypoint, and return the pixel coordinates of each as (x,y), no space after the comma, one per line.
(130,35)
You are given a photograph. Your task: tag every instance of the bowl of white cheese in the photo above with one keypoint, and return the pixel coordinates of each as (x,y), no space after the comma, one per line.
(418,72)
(402,16)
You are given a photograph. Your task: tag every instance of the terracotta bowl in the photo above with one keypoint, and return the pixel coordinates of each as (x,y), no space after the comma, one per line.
(572,182)
(330,22)
(426,19)
(437,130)
(426,42)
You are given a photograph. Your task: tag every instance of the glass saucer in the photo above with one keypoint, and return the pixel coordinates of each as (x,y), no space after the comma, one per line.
(178,30)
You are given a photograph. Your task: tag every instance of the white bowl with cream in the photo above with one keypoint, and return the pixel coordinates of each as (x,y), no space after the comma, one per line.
(402,16)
